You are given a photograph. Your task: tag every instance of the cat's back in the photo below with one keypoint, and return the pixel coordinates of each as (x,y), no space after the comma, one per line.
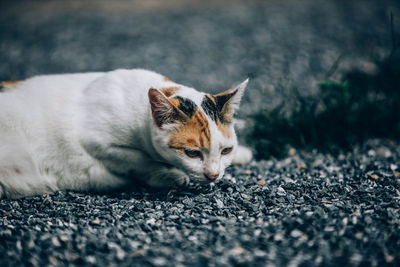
(45,88)
(125,92)
(59,84)
(54,97)
(39,100)
(134,84)
(134,81)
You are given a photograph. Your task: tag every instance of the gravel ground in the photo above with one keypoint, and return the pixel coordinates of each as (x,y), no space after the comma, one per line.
(308,209)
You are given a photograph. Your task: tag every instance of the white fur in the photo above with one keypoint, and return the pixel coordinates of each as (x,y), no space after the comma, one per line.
(94,131)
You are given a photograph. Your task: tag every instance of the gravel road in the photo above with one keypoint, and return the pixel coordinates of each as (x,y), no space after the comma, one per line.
(309,209)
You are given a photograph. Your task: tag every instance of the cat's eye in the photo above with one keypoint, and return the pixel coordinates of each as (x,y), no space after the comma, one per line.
(193,153)
(226,150)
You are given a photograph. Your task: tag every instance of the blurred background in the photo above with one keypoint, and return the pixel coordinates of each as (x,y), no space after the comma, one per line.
(315,67)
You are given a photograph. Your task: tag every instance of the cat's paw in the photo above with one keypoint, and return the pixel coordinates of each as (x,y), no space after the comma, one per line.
(167,177)
(243,155)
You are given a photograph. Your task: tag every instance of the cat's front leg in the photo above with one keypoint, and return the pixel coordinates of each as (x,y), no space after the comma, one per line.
(126,161)
(164,176)
(140,166)
(118,159)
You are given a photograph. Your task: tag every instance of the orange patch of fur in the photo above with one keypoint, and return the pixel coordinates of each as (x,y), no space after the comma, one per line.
(174,102)
(194,134)
(10,85)
(168,91)
(191,141)
(227,92)
(165,79)
(212,98)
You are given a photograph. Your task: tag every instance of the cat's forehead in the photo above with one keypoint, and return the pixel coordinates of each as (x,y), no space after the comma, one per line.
(198,130)
(187,93)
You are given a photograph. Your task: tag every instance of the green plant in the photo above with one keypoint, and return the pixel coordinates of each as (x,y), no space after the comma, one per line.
(345,113)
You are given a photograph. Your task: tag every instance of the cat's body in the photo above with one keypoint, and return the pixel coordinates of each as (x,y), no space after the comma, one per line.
(98,131)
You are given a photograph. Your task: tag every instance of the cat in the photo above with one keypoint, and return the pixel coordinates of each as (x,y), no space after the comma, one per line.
(101,131)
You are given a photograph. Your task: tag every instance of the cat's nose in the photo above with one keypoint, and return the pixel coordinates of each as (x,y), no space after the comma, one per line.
(211,176)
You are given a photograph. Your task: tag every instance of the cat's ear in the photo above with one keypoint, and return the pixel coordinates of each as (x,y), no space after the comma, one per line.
(228,101)
(163,110)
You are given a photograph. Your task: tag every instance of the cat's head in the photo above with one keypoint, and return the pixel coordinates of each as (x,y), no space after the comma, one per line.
(194,131)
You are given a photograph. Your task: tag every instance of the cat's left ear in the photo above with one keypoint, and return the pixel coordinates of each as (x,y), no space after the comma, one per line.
(229,101)
(163,110)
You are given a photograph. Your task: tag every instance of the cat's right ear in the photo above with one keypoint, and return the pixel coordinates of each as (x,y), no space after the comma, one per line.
(163,110)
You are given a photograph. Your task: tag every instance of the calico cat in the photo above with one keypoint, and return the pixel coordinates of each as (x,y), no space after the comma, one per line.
(99,131)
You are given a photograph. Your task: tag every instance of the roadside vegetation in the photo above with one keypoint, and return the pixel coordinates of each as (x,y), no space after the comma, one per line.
(345,113)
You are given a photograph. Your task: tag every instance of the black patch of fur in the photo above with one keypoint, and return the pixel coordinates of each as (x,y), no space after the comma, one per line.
(214,110)
(222,99)
(187,106)
(210,108)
